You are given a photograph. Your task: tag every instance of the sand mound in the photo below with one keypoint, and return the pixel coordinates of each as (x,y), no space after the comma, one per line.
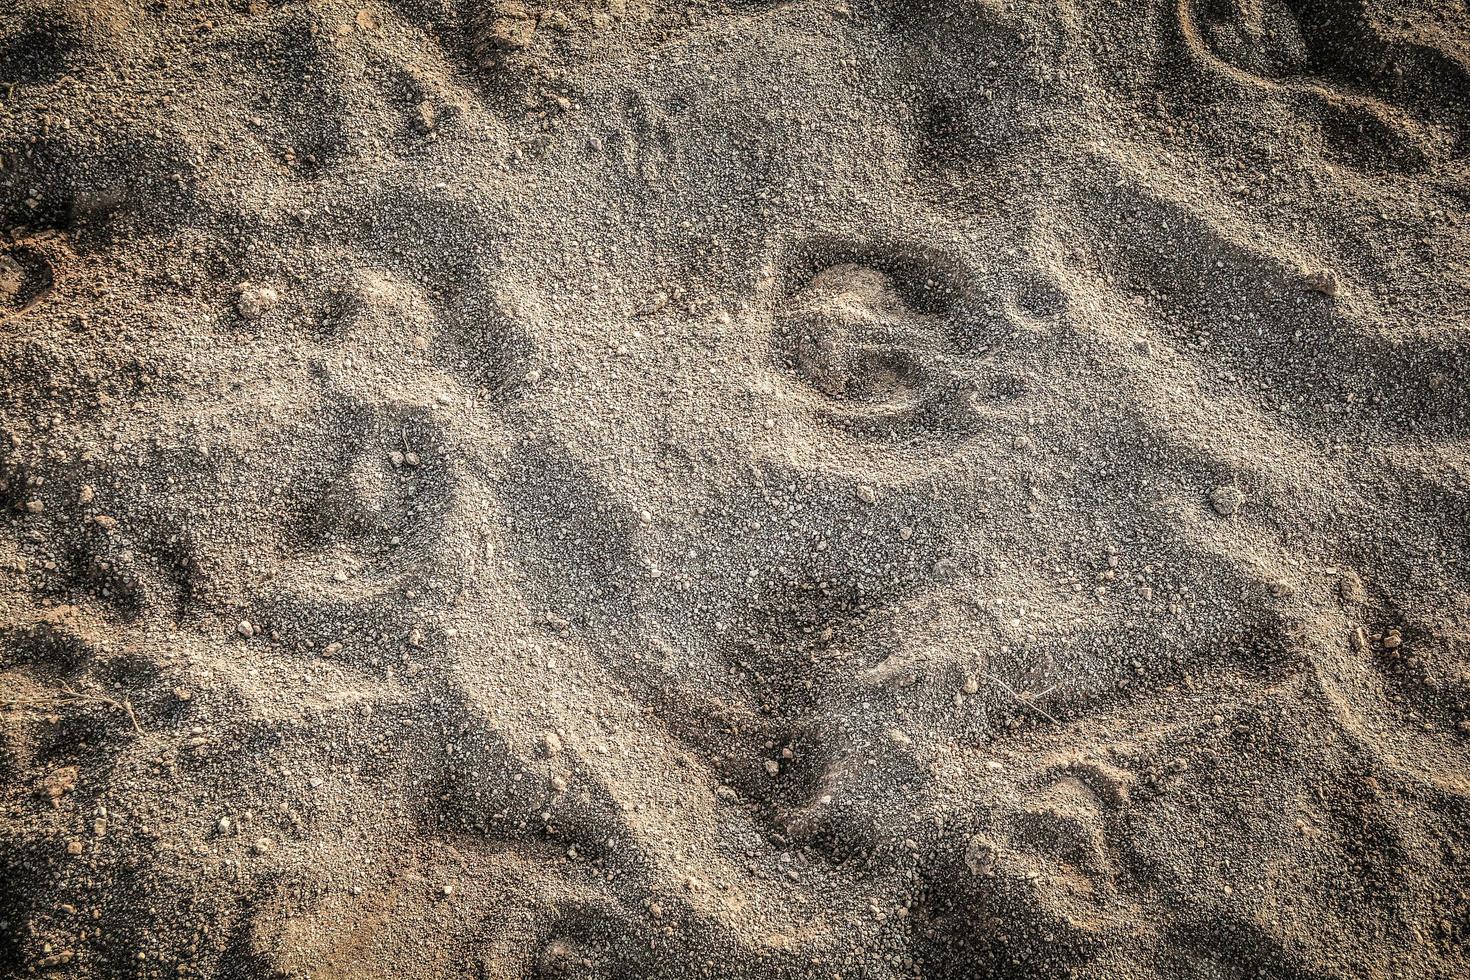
(613,488)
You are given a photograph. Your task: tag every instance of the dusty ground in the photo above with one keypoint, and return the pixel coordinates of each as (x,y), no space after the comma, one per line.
(611,488)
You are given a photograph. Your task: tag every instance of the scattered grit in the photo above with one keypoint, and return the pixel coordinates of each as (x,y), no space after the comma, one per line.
(627,489)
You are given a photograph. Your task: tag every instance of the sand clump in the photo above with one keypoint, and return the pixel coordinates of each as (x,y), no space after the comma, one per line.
(734,489)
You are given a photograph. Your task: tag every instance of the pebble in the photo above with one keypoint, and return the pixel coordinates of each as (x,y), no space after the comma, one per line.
(866,494)
(263,844)
(905,533)
(256,301)
(552,741)
(1226,500)
(980,857)
(224,825)
(245,629)
(1323,281)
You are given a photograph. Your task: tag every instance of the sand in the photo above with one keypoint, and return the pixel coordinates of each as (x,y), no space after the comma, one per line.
(626,489)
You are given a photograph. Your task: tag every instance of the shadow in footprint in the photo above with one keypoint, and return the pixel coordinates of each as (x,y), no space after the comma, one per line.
(1376,91)
(569,533)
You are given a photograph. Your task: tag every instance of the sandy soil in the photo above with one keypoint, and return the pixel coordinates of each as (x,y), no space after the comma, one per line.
(626,489)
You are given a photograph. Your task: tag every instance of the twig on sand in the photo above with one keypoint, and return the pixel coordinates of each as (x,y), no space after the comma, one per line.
(1026,699)
(68,693)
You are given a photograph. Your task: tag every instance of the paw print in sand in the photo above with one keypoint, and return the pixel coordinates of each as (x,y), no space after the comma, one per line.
(880,344)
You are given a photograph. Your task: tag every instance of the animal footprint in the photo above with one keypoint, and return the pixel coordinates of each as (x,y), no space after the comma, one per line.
(1379,96)
(371,496)
(876,339)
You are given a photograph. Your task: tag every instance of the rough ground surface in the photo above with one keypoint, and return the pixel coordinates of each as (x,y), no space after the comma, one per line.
(611,488)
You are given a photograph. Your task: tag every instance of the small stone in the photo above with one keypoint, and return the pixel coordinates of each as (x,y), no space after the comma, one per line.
(245,629)
(552,743)
(659,302)
(1350,587)
(559,784)
(866,494)
(1226,500)
(971,685)
(772,767)
(1392,640)
(980,857)
(224,826)
(905,533)
(446,890)
(1323,281)
(255,301)
(74,847)
(263,844)
(35,506)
